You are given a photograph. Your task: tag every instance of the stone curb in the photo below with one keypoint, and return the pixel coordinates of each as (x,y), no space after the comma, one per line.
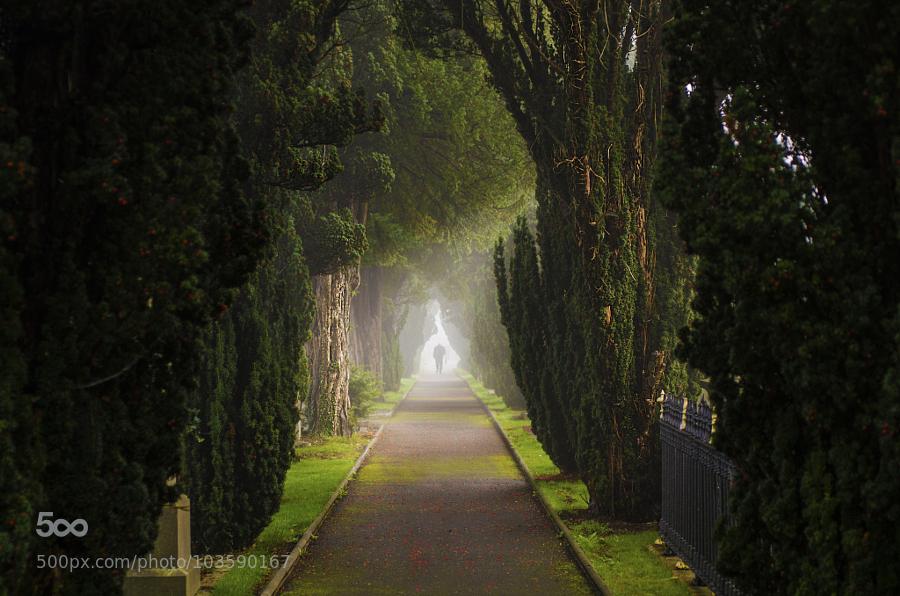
(276,582)
(580,558)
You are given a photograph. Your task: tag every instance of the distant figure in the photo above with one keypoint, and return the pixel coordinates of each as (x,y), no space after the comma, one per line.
(439,353)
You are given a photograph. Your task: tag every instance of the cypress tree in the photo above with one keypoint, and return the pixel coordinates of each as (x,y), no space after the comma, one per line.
(582,82)
(522,311)
(489,347)
(781,161)
(394,315)
(18,487)
(209,452)
(255,370)
(128,232)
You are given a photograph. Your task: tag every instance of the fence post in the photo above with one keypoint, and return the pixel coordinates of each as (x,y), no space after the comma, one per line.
(695,483)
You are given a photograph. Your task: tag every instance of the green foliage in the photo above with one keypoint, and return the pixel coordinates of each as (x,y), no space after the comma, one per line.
(448,164)
(18,492)
(391,358)
(292,117)
(364,389)
(461,170)
(209,460)
(591,325)
(124,230)
(389,241)
(489,353)
(522,312)
(296,110)
(254,368)
(334,240)
(782,165)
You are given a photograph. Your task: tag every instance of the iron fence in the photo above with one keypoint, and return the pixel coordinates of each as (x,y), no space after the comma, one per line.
(695,483)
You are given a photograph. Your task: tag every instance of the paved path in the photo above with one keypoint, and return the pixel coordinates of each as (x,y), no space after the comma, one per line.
(439,508)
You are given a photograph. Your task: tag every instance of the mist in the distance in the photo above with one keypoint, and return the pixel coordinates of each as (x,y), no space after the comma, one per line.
(426,360)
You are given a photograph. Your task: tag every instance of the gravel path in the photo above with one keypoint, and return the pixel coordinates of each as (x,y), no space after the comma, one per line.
(439,508)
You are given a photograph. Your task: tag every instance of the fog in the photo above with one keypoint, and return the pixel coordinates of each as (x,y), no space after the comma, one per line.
(426,359)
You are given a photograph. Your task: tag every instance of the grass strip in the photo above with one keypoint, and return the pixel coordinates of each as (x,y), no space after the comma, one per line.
(391,398)
(624,559)
(320,467)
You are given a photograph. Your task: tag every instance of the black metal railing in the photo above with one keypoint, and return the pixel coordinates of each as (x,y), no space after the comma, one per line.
(695,483)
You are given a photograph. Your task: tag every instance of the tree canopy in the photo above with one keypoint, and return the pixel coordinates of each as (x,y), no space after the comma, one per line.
(217,215)
(583,83)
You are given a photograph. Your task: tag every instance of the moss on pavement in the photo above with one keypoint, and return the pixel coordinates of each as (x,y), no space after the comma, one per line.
(624,559)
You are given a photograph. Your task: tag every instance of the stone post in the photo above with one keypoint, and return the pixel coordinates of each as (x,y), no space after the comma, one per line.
(172,571)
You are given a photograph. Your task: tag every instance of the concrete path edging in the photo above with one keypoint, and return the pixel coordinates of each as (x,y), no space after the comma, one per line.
(583,562)
(278,578)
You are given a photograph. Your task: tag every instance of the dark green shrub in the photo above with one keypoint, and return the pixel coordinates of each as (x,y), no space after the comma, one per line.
(124,232)
(526,318)
(364,389)
(590,317)
(130,218)
(490,357)
(782,163)
(254,371)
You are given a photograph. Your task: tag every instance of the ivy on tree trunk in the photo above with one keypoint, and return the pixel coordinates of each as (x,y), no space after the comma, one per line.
(582,81)
(328,410)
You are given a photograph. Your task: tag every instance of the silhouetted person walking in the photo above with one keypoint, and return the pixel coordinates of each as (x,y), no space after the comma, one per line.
(439,353)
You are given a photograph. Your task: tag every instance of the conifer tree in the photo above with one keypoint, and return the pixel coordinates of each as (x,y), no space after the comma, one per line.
(125,232)
(521,308)
(18,484)
(447,167)
(582,82)
(781,161)
(491,357)
(255,372)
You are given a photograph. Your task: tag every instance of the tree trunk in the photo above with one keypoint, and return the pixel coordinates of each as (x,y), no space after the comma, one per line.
(393,319)
(365,335)
(328,410)
(412,336)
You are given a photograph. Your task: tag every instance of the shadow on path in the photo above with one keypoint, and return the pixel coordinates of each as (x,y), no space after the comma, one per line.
(439,508)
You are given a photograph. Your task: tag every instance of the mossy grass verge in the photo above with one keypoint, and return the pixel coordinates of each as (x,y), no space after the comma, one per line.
(624,556)
(392,398)
(321,466)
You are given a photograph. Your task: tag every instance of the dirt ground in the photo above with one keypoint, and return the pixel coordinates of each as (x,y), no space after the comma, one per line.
(439,508)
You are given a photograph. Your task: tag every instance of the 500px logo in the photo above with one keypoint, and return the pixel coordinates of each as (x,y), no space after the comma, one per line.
(60,527)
